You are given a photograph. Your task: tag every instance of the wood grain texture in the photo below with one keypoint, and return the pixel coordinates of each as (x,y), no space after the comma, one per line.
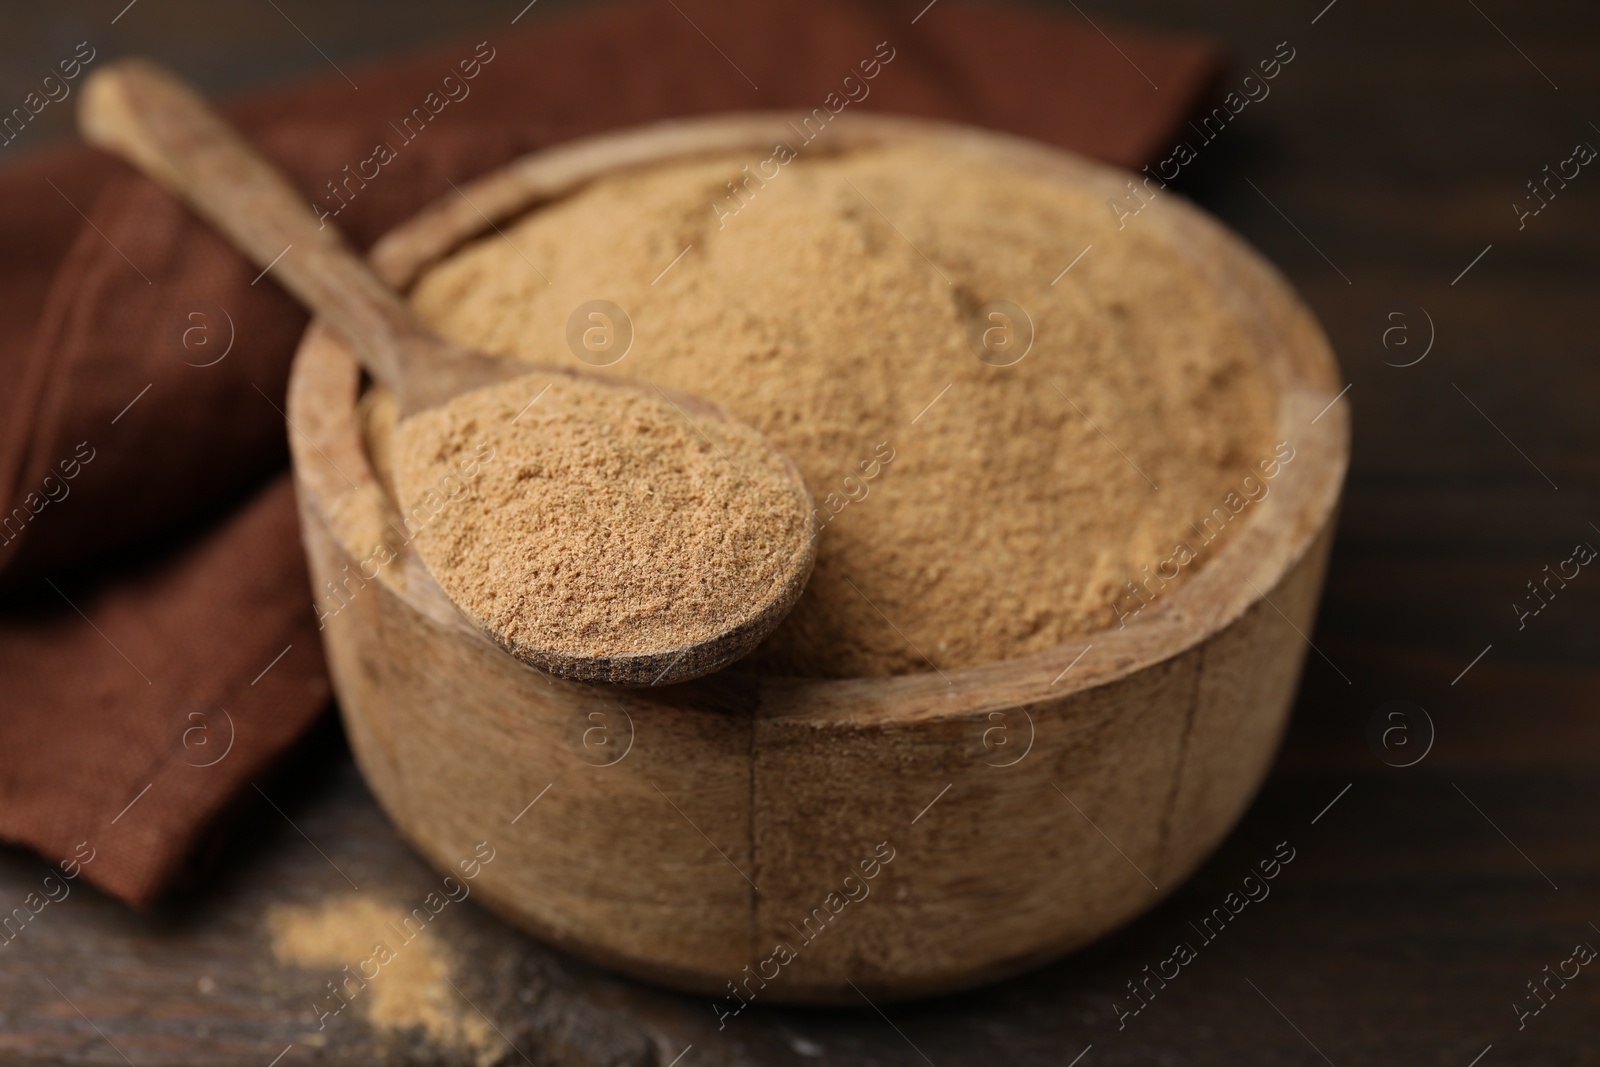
(745,801)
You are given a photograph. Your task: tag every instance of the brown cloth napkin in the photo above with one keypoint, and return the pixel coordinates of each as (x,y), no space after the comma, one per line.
(158,648)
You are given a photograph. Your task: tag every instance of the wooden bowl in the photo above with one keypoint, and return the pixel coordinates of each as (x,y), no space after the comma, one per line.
(909,835)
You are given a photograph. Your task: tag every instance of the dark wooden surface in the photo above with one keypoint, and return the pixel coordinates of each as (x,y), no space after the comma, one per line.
(1417,906)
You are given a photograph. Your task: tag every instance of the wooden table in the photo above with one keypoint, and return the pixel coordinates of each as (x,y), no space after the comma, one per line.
(1380,174)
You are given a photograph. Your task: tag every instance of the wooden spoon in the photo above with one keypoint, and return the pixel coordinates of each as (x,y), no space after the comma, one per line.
(144,114)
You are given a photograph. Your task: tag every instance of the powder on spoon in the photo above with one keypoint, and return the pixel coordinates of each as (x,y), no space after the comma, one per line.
(583,519)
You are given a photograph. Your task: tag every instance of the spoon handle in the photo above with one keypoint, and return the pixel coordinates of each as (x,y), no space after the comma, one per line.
(141,112)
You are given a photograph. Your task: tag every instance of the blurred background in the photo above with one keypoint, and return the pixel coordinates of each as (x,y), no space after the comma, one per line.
(1449,864)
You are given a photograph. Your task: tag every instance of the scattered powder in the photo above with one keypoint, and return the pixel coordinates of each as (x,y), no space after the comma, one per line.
(411,989)
(592,520)
(833,308)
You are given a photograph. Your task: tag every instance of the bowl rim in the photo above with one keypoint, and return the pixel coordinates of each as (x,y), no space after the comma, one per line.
(1242,573)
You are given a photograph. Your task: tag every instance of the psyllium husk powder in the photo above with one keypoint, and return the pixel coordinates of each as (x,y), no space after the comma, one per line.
(996,445)
(591,519)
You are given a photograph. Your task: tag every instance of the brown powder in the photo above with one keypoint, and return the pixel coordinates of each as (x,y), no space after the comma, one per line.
(412,983)
(832,306)
(585,519)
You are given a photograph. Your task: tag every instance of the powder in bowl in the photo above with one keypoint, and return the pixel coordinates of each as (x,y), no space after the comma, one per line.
(835,307)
